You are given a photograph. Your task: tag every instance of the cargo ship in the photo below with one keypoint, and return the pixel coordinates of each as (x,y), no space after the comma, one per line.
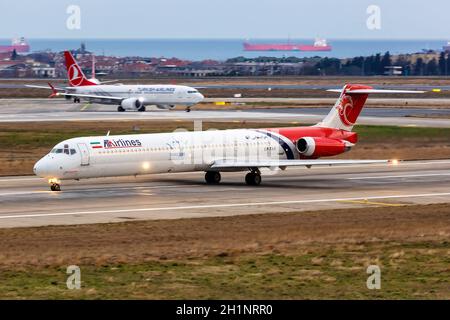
(18,44)
(319,45)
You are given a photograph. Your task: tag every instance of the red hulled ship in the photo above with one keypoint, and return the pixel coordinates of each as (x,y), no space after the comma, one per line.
(18,44)
(319,45)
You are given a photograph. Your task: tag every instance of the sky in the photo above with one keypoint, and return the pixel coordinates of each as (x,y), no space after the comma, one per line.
(252,19)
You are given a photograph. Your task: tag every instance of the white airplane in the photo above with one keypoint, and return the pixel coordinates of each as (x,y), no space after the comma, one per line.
(212,151)
(127,97)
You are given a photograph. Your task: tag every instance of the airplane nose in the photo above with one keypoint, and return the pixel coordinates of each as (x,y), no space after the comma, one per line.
(41,168)
(200,97)
(37,169)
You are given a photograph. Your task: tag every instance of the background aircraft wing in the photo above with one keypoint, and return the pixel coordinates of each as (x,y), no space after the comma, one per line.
(68,94)
(92,96)
(44,87)
(244,164)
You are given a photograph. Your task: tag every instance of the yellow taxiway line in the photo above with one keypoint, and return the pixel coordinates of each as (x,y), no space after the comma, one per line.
(373,203)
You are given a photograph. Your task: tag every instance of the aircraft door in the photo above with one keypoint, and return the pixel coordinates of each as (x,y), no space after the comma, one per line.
(179,94)
(84,151)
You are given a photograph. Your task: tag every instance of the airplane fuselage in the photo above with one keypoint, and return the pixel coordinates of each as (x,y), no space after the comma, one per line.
(107,156)
(159,95)
(126,155)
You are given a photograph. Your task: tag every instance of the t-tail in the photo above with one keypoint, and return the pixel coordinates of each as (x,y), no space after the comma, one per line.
(350,104)
(74,72)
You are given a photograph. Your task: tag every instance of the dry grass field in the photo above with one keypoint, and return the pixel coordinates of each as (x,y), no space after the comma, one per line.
(307,255)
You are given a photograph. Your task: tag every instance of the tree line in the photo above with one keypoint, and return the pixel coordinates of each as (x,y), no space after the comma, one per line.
(378,65)
(411,65)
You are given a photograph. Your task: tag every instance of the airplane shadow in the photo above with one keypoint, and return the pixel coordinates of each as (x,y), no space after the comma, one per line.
(307,184)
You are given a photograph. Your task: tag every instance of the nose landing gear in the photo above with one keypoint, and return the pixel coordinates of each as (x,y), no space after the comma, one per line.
(54,184)
(55,187)
(188,109)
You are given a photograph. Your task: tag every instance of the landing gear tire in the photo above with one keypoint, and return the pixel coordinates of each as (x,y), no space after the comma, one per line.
(188,109)
(76,100)
(55,187)
(120,109)
(212,177)
(141,109)
(253,179)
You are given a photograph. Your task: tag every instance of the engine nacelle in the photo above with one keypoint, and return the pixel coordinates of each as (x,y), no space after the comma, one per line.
(132,103)
(321,147)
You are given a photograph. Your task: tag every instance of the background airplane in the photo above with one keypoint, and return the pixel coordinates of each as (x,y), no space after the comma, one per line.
(126,97)
(212,151)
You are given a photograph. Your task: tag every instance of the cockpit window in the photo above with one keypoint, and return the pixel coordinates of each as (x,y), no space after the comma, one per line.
(192,91)
(65,151)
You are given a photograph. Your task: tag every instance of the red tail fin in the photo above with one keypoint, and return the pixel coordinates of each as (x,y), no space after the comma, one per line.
(348,107)
(74,72)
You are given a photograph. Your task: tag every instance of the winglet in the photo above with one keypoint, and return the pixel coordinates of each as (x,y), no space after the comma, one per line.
(54,91)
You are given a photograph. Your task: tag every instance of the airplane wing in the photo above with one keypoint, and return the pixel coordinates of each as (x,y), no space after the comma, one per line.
(68,94)
(244,164)
(92,96)
(43,87)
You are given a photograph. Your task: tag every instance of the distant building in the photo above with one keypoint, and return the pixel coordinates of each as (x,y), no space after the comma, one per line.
(44,71)
(393,70)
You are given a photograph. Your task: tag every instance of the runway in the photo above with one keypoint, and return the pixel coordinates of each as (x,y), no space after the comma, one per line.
(26,201)
(45,110)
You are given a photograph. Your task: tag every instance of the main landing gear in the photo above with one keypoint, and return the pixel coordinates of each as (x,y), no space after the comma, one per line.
(120,109)
(55,187)
(213,177)
(252,178)
(76,100)
(141,109)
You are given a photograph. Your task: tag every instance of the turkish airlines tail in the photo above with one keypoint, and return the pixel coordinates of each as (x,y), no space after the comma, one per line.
(74,72)
(349,105)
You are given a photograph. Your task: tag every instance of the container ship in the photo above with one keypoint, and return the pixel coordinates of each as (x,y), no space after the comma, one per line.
(18,44)
(319,45)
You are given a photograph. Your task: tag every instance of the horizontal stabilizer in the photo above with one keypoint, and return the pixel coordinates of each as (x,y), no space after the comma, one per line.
(368,91)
